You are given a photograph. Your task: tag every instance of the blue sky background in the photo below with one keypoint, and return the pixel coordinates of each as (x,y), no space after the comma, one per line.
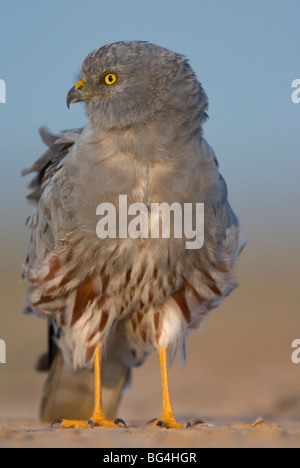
(246,53)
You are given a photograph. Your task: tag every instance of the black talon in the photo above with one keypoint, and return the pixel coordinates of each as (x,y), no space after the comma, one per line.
(91,423)
(120,421)
(188,424)
(198,421)
(151,421)
(160,423)
(57,421)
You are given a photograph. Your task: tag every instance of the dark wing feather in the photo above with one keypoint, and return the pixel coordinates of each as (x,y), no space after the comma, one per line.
(46,165)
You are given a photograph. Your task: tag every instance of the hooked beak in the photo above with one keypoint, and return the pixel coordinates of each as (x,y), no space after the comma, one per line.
(75,94)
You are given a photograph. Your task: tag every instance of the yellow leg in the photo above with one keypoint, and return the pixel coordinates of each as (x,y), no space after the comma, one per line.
(168,419)
(98,418)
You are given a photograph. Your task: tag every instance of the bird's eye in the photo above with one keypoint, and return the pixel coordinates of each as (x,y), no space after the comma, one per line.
(110,79)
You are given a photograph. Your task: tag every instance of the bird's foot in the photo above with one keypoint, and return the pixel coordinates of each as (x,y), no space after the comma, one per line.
(99,421)
(91,423)
(166,422)
(171,423)
(68,423)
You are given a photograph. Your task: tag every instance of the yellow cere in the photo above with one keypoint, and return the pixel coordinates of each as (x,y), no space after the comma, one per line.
(110,79)
(79,84)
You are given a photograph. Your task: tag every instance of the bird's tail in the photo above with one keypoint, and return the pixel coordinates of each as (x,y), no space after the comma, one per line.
(69,395)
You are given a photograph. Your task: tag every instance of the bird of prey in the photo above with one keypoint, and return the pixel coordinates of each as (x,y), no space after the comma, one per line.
(122,297)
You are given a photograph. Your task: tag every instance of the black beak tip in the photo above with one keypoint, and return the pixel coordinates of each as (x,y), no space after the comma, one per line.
(74,95)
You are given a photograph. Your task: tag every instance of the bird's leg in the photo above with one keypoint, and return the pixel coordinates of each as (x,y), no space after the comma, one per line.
(98,418)
(167,419)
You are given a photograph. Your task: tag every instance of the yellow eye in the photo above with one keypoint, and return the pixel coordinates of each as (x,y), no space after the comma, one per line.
(110,79)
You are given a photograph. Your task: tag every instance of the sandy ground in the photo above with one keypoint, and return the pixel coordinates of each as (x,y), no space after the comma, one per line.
(239,377)
(257,435)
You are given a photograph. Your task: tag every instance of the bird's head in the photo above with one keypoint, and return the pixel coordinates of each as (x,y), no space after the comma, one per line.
(128,83)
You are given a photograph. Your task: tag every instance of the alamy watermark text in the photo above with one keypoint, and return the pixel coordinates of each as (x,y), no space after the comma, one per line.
(2,352)
(157,221)
(296,353)
(2,92)
(296,92)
